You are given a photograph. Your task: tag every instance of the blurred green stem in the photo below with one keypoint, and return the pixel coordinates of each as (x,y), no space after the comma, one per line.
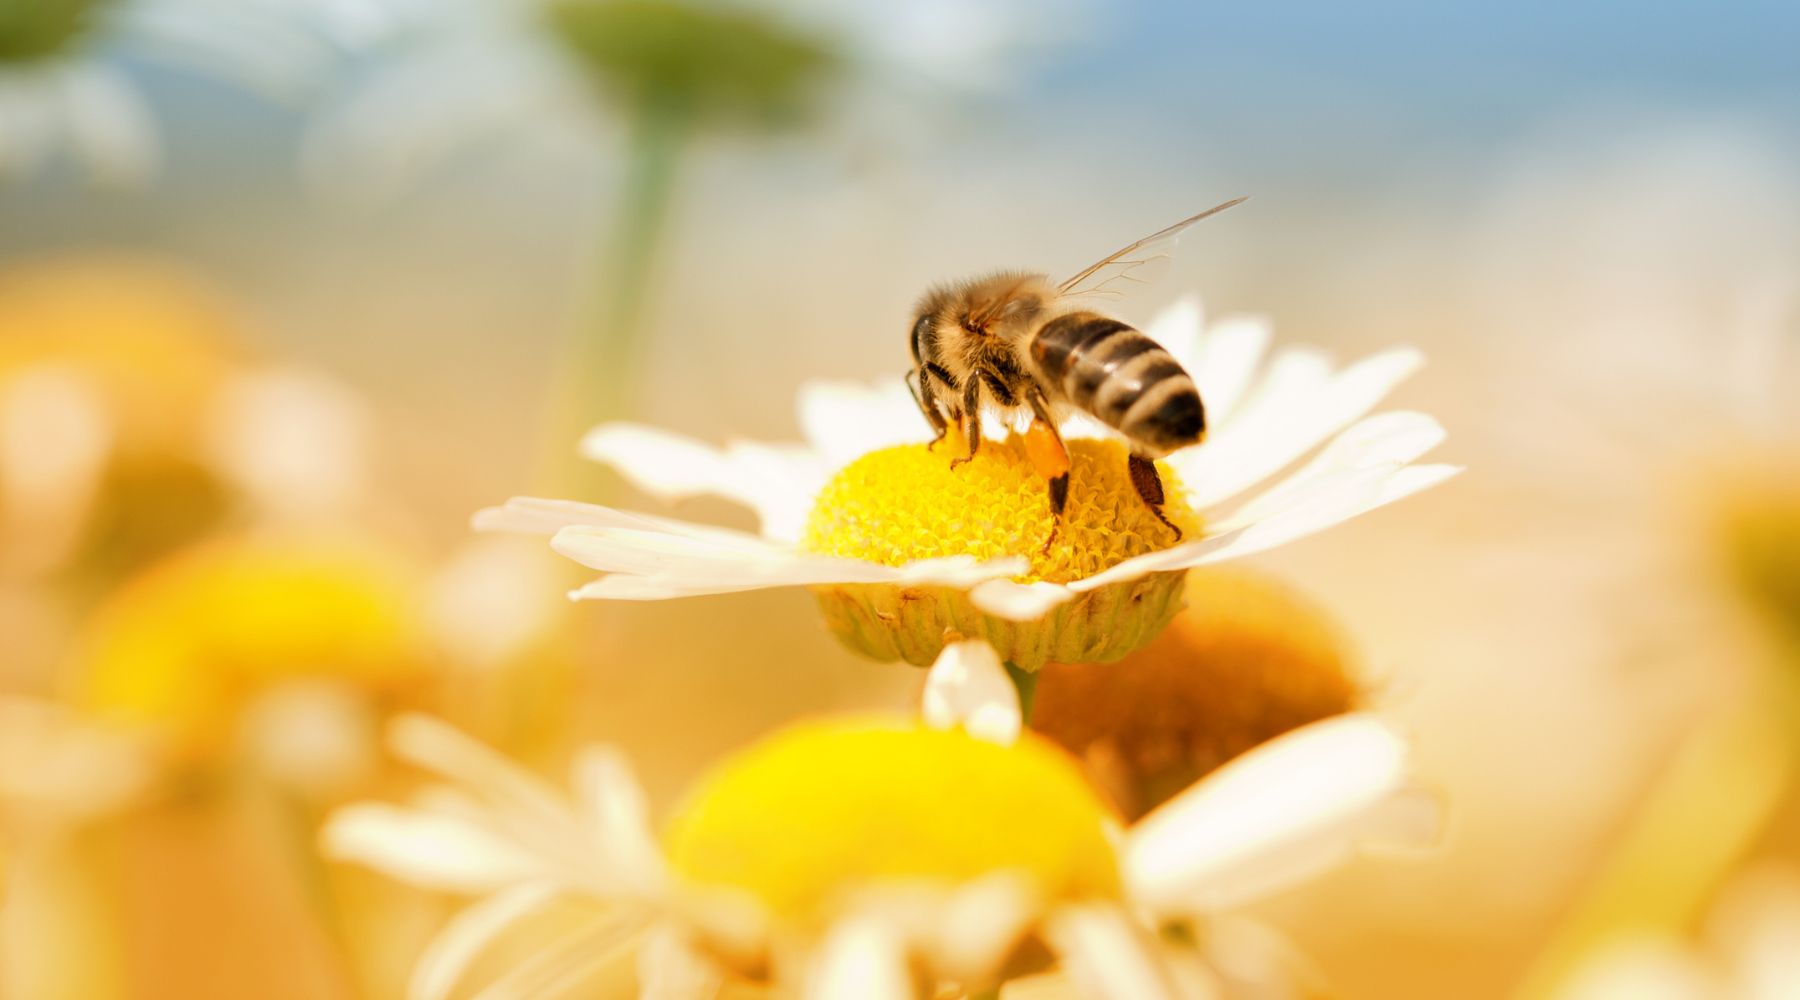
(599,373)
(1026,682)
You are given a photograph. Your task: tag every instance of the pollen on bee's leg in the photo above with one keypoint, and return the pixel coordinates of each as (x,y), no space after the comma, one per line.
(1045,449)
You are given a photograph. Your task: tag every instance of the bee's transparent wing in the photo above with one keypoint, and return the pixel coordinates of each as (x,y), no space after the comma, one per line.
(1138,264)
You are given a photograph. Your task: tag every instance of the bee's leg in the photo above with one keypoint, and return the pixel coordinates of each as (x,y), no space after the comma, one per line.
(971,420)
(922,394)
(1049,456)
(1148,483)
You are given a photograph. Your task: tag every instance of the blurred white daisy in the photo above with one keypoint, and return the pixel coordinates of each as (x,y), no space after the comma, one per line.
(468,72)
(65,89)
(900,548)
(867,857)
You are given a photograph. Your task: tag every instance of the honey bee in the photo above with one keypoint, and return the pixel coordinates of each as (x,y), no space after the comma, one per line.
(1031,346)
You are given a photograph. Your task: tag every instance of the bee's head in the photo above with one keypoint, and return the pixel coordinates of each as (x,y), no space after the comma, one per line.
(1001,305)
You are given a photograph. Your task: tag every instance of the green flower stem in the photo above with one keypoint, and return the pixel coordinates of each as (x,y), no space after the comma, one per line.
(1026,682)
(599,373)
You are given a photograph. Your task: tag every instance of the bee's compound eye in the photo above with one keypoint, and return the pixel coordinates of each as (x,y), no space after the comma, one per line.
(921,335)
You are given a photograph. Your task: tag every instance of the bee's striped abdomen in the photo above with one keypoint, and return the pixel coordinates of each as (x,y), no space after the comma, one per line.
(1122,377)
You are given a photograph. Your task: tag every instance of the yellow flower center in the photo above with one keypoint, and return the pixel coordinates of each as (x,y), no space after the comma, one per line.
(182,646)
(906,502)
(823,809)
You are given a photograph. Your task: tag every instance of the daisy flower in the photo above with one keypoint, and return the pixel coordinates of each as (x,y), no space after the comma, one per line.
(871,856)
(64,89)
(1248,659)
(900,548)
(282,650)
(466,73)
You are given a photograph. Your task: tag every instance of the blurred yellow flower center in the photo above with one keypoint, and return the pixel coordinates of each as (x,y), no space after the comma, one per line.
(904,503)
(826,808)
(183,645)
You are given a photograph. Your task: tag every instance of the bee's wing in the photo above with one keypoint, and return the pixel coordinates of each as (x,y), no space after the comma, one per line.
(1136,264)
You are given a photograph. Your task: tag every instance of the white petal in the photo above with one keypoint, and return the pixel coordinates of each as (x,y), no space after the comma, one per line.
(55,439)
(435,852)
(670,969)
(860,958)
(449,954)
(618,817)
(846,420)
(538,516)
(294,441)
(778,482)
(1225,361)
(1178,329)
(1106,955)
(655,563)
(650,551)
(1281,813)
(1299,405)
(568,960)
(968,687)
(1391,439)
(1019,602)
(981,925)
(442,748)
(1311,507)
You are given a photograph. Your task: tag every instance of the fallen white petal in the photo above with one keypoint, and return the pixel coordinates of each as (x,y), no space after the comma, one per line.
(1106,954)
(1281,813)
(449,954)
(434,852)
(968,687)
(860,958)
(1020,602)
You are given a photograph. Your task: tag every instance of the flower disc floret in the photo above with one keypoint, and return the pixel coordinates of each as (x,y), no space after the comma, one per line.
(908,503)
